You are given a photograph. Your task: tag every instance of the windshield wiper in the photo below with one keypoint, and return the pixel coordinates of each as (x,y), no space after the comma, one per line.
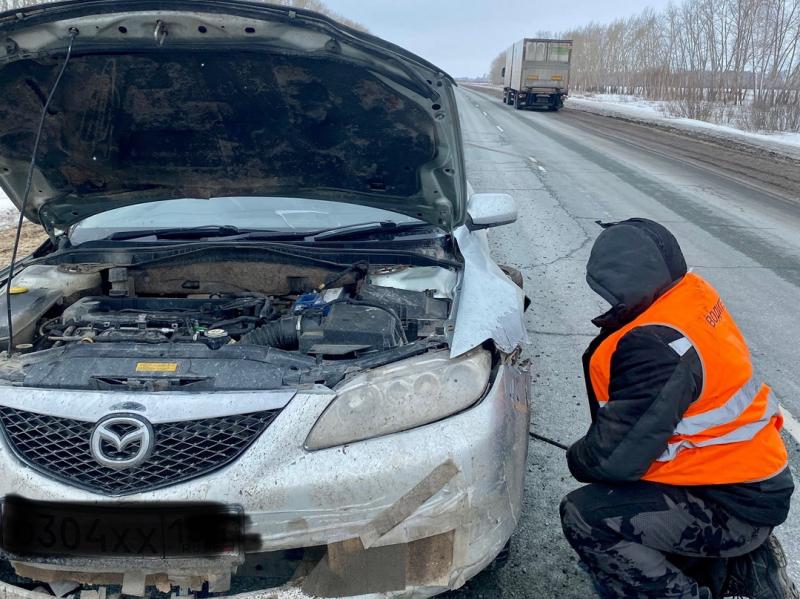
(177,233)
(366,229)
(203,232)
(229,231)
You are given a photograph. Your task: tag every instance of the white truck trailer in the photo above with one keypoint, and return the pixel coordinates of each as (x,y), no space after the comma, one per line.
(537,73)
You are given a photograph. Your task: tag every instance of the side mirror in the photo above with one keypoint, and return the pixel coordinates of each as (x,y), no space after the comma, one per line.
(486,210)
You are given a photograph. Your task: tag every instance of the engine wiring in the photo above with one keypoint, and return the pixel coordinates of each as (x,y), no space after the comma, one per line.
(73,33)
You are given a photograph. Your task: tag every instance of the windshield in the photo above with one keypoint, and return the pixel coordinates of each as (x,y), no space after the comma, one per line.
(271,214)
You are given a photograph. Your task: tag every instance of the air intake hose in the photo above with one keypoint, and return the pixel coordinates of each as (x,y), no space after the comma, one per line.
(281,334)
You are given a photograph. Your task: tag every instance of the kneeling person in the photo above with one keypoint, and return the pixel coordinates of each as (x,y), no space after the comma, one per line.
(684,455)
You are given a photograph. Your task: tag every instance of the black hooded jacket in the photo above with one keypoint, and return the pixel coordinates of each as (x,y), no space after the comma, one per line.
(631,265)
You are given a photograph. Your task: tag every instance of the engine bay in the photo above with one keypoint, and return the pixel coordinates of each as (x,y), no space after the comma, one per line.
(331,323)
(88,327)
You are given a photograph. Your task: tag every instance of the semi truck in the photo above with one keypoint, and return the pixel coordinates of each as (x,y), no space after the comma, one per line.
(537,73)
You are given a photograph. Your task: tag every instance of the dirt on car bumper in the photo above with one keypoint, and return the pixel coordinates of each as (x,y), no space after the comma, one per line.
(406,515)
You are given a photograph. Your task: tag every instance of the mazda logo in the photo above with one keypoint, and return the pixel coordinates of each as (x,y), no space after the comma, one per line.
(122,441)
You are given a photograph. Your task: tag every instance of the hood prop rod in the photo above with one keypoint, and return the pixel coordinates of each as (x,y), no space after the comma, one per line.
(73,33)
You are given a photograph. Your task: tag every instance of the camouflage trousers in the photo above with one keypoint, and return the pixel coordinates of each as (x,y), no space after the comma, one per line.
(625,535)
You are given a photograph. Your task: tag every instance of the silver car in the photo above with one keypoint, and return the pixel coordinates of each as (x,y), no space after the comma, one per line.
(265,345)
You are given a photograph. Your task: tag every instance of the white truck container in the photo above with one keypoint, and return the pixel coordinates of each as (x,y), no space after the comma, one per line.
(537,73)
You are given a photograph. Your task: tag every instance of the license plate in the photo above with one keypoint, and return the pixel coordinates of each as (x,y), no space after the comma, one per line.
(32,528)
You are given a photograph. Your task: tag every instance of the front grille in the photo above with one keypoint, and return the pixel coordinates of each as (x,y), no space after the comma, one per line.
(60,447)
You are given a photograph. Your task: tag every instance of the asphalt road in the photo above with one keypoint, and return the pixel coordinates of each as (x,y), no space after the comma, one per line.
(737,216)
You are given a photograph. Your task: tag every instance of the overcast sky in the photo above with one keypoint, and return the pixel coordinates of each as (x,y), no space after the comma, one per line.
(463,36)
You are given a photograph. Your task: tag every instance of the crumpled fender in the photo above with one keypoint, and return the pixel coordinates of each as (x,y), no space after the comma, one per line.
(490,305)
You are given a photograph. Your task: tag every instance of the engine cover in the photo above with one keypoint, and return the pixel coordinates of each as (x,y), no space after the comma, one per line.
(346,328)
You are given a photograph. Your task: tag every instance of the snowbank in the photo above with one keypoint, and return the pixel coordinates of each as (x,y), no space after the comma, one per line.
(646,111)
(5,203)
(8,213)
(627,104)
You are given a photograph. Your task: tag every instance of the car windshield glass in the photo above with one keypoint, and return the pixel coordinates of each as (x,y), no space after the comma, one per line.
(247,213)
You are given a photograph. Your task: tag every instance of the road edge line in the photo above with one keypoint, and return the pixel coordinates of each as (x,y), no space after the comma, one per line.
(791,425)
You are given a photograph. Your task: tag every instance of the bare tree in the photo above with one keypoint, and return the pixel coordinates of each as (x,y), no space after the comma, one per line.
(320,7)
(11,4)
(496,69)
(315,5)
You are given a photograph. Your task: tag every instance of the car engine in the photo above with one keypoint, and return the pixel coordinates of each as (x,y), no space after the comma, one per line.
(55,307)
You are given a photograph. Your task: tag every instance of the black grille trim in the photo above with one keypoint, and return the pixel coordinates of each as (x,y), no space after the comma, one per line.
(59,448)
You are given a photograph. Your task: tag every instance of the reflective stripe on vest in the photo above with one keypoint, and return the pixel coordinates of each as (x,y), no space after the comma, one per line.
(726,414)
(681,346)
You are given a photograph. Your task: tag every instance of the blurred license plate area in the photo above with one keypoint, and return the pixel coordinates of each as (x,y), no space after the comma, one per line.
(34,528)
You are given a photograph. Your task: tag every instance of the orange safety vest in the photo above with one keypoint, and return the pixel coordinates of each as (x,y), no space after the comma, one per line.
(731,433)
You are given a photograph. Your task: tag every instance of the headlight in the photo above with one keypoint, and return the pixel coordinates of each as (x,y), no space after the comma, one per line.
(402,396)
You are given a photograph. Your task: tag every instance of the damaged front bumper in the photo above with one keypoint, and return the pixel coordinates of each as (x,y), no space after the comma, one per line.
(406,515)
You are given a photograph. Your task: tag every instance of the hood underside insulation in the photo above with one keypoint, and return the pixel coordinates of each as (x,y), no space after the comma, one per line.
(131,127)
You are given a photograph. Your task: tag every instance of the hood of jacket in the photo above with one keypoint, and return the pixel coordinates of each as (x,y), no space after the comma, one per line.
(631,265)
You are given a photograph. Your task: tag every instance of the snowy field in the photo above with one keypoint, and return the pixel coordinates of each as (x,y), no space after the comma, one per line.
(639,109)
(8,213)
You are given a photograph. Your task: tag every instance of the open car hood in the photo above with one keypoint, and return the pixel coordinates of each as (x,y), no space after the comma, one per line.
(219,98)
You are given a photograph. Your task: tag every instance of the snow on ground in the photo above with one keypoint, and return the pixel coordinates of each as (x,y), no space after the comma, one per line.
(8,213)
(638,109)
(629,104)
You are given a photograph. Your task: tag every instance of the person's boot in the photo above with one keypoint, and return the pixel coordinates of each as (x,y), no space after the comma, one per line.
(761,574)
